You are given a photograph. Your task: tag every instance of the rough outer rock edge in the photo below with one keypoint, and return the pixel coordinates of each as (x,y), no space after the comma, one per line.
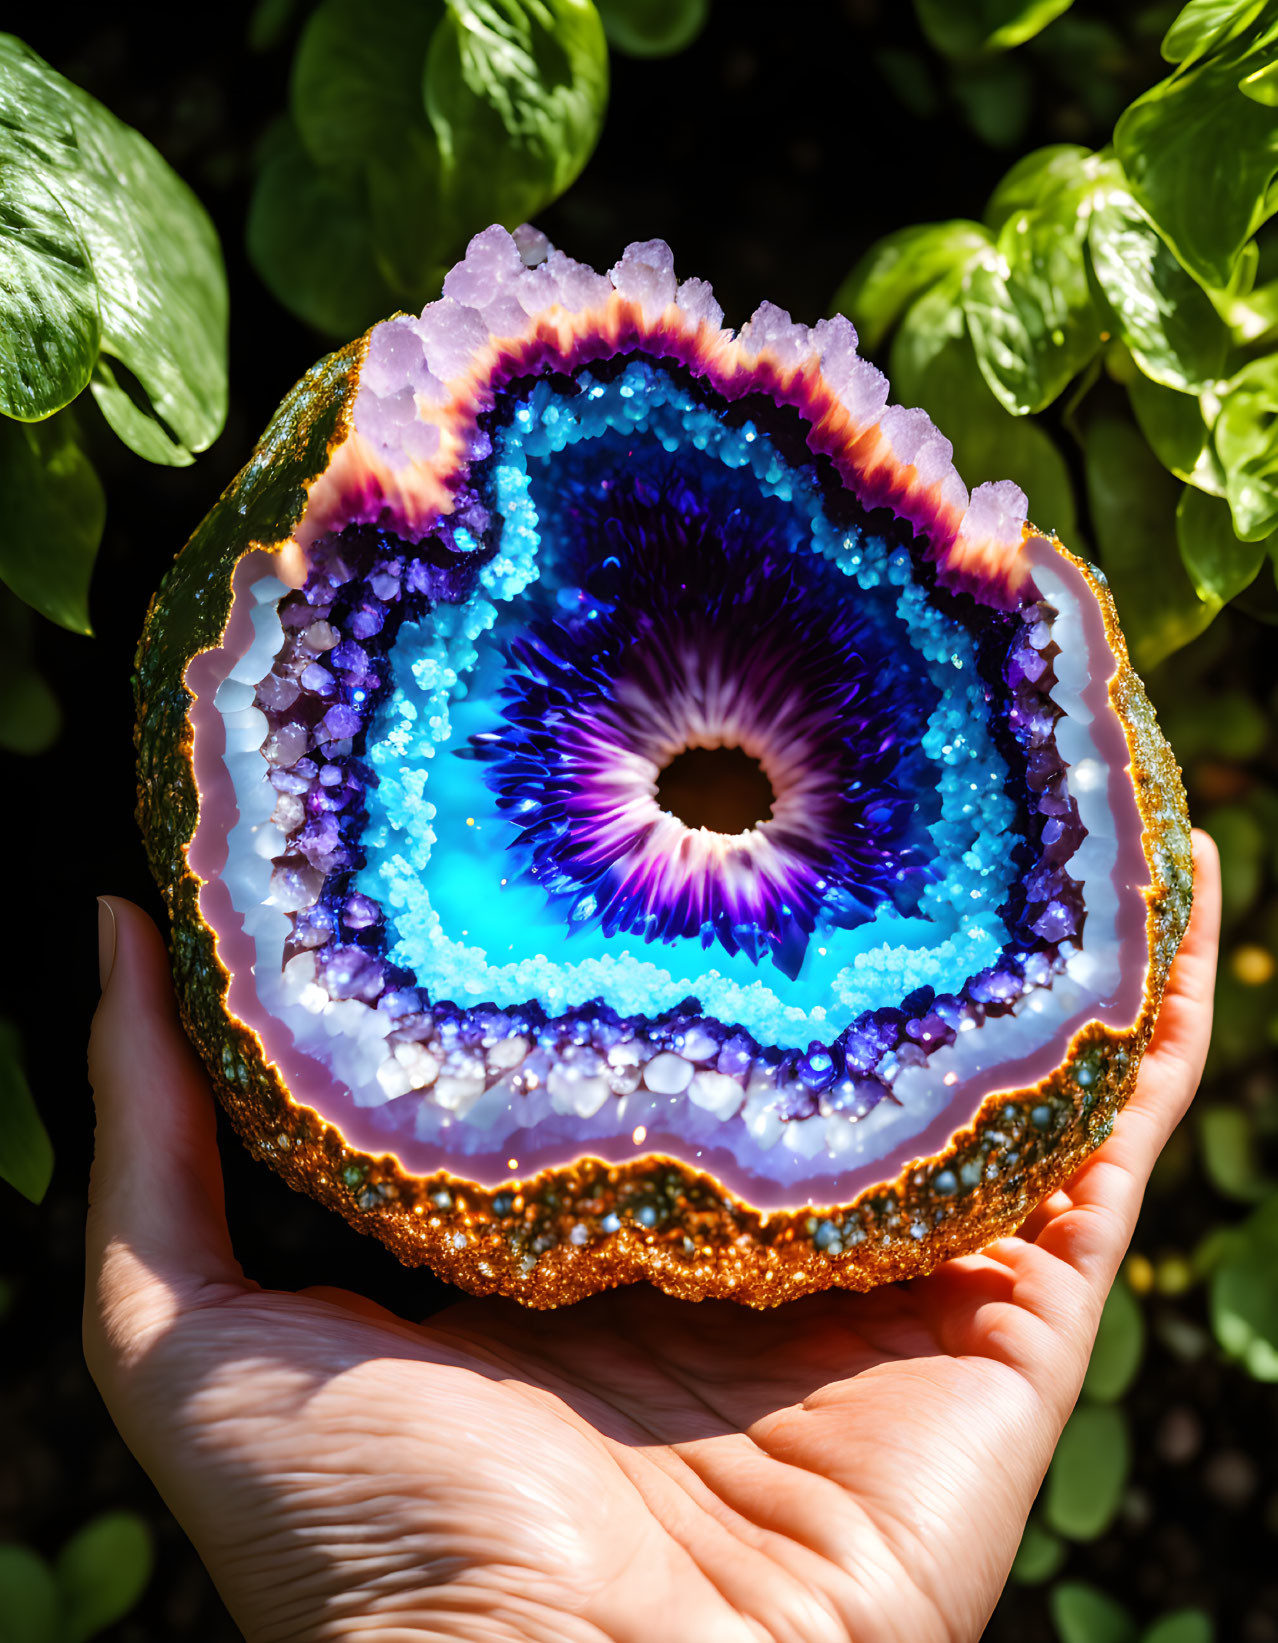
(675,1225)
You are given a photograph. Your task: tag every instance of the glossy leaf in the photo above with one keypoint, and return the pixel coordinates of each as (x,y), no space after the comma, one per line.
(932,364)
(1246,439)
(1219,564)
(958,27)
(1200,156)
(101,1573)
(1163,315)
(1029,305)
(1173,424)
(1082,1614)
(1203,24)
(1041,178)
(357,78)
(1184,1626)
(898,269)
(1120,1345)
(26,1153)
(49,326)
(1133,503)
(515,91)
(309,237)
(1243,1294)
(653,28)
(155,256)
(131,417)
(1262,85)
(1088,1474)
(1039,1556)
(28,1597)
(54,514)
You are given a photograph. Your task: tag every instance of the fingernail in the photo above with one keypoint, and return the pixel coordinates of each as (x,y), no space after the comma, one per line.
(106,941)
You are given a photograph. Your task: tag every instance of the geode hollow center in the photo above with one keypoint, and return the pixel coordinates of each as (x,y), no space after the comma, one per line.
(646,819)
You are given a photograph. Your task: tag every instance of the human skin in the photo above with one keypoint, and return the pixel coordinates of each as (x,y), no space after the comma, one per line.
(632,1469)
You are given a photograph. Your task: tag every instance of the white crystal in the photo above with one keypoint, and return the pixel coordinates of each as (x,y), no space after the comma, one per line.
(394,358)
(533,245)
(696,301)
(572,1093)
(668,1074)
(997,511)
(864,392)
(645,274)
(293,888)
(772,328)
(717,1094)
(452,334)
(577,285)
(835,341)
(492,260)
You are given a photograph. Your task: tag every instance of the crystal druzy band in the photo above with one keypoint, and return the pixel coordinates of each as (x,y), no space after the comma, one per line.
(577,529)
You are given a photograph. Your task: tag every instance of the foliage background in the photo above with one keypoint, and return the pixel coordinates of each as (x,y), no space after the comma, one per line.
(772,153)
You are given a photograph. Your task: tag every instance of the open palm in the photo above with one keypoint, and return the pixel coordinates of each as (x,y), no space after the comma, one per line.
(633,1467)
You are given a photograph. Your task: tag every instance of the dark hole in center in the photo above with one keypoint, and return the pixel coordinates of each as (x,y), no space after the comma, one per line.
(721,788)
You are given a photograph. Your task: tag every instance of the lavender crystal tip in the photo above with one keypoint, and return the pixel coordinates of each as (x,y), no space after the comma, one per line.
(629,813)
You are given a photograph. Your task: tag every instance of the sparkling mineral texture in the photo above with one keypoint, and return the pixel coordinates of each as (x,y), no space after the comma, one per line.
(628,813)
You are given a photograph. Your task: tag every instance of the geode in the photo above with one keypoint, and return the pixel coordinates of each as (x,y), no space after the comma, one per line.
(627,813)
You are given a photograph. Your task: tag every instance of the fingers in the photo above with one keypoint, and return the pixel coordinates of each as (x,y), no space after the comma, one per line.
(1105,1195)
(157,1227)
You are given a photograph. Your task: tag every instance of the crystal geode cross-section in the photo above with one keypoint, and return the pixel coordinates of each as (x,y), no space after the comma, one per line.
(628,813)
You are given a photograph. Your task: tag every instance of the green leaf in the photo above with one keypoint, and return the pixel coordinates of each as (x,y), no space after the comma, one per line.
(1243,1294)
(49,327)
(133,420)
(1133,503)
(653,28)
(28,1597)
(515,91)
(1246,439)
(356,85)
(1120,1345)
(1041,178)
(26,1153)
(1082,1614)
(996,95)
(932,364)
(1241,840)
(1184,1626)
(958,27)
(1218,563)
(309,238)
(1231,1154)
(1202,24)
(30,718)
(1262,86)
(1039,1556)
(1088,1474)
(1029,304)
(897,269)
(54,513)
(155,256)
(1173,424)
(101,1573)
(1162,314)
(1200,156)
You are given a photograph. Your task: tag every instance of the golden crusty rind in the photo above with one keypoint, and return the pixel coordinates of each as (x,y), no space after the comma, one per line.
(653,1218)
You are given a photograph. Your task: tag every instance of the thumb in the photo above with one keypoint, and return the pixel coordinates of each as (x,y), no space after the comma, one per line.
(157,1233)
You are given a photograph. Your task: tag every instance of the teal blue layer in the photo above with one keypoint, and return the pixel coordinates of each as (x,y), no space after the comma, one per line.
(437,847)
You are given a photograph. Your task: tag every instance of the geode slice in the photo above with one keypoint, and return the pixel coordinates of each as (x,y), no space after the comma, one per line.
(627,813)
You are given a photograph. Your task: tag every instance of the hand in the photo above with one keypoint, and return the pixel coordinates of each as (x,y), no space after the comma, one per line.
(631,1468)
